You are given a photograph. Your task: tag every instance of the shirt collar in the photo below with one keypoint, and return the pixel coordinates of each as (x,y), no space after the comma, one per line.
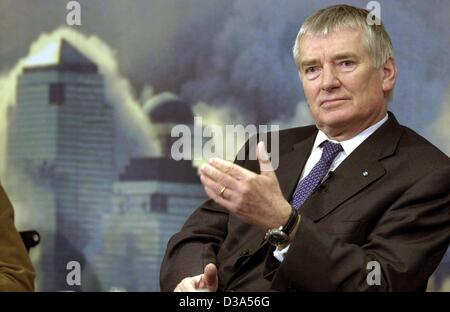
(351,144)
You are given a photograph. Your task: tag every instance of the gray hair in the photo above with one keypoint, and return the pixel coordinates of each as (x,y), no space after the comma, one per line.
(327,20)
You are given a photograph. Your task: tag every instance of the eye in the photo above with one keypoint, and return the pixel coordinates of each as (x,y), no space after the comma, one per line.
(311,69)
(347,63)
(312,72)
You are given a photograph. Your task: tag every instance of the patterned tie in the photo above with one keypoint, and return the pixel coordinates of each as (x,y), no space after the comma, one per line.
(307,186)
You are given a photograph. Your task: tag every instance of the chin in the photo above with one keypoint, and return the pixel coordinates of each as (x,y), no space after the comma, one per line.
(334,118)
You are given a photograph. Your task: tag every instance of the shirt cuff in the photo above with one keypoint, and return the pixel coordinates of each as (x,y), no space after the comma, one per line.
(279,254)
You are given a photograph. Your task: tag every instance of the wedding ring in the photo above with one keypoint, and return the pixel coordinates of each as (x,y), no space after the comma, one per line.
(222,190)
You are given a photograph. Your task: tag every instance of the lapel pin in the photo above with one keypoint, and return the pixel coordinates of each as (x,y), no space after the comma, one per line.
(365,173)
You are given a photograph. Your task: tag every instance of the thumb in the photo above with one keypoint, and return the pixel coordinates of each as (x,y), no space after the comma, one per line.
(263,157)
(210,279)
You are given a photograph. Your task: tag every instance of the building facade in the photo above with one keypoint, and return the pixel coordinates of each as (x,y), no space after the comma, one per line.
(151,201)
(60,149)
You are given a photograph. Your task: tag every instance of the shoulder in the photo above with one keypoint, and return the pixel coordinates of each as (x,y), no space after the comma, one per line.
(420,150)
(297,134)
(414,158)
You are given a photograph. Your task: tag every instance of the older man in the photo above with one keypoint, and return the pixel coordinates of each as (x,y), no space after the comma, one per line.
(16,270)
(357,203)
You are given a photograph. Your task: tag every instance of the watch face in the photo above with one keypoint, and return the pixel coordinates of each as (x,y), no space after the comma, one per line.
(277,237)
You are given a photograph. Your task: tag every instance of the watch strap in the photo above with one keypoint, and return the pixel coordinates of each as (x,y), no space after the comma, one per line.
(290,224)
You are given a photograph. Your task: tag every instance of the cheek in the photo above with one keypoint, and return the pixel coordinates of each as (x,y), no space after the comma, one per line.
(370,92)
(311,93)
(364,86)
(355,84)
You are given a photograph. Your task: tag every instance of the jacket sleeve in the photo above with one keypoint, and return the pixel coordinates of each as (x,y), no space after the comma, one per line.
(199,240)
(16,270)
(196,245)
(407,242)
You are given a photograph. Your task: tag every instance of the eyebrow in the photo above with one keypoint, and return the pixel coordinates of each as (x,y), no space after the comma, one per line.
(337,56)
(345,55)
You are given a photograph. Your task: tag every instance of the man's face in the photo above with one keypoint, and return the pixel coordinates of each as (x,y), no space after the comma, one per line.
(343,88)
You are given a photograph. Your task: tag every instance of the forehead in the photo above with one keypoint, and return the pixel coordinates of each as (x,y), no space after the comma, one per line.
(337,42)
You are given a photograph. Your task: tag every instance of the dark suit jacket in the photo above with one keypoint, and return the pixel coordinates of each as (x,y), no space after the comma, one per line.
(16,270)
(398,214)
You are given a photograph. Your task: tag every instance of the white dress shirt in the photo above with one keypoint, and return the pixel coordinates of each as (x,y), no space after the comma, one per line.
(348,147)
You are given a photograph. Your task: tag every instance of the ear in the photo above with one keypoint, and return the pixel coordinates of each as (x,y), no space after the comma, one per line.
(389,74)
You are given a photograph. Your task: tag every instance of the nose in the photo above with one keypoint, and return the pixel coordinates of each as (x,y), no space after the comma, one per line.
(330,80)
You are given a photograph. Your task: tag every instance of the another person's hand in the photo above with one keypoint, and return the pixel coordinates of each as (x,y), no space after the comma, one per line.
(255,198)
(208,281)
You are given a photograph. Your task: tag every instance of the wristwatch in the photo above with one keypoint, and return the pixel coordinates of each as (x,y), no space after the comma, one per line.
(280,235)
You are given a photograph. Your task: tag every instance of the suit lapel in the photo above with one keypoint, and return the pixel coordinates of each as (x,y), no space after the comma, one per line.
(292,164)
(353,175)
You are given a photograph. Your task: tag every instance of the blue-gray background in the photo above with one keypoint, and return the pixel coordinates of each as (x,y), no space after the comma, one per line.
(235,57)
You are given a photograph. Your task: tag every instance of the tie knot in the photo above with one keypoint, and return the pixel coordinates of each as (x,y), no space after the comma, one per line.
(330,150)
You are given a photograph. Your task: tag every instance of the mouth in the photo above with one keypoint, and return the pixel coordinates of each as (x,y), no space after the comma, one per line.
(332,102)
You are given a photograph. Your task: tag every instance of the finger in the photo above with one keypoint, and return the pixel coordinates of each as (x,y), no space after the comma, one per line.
(222,179)
(189,284)
(210,277)
(179,287)
(218,199)
(231,169)
(209,280)
(216,188)
(263,157)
